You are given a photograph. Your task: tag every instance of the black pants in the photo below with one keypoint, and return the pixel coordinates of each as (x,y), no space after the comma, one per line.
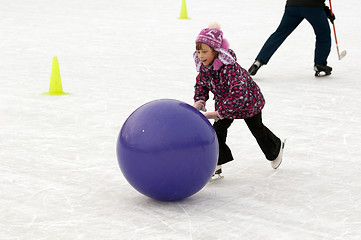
(269,143)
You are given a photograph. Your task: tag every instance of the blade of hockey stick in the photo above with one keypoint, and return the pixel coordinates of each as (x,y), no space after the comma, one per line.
(343,53)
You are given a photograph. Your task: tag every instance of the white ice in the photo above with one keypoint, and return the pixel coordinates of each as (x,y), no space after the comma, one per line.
(59,173)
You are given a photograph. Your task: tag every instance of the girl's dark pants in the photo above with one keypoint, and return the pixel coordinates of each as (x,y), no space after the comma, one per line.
(269,143)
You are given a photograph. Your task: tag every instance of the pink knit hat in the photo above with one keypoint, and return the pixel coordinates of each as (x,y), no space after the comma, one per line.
(213,37)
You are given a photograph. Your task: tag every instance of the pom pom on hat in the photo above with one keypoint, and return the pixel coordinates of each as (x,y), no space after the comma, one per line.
(214,25)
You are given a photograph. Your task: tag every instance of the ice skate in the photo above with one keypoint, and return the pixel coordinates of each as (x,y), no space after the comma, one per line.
(254,68)
(277,162)
(217,174)
(322,70)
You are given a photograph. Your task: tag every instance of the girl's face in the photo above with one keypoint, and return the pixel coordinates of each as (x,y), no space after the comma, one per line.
(206,55)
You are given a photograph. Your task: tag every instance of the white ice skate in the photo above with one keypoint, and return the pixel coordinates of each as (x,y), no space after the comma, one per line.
(277,162)
(217,174)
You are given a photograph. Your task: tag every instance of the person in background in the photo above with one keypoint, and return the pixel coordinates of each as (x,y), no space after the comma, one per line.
(316,13)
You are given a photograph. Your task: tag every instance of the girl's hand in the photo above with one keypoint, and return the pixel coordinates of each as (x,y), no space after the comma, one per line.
(213,115)
(200,105)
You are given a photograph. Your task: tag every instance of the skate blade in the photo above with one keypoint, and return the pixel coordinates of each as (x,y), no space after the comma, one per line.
(216,177)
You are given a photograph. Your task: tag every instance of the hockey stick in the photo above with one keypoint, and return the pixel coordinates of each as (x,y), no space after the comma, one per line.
(343,53)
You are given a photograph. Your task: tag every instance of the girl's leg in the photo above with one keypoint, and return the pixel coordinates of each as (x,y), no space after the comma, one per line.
(269,143)
(221,128)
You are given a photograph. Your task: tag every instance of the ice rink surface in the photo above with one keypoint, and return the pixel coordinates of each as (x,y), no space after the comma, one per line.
(59,176)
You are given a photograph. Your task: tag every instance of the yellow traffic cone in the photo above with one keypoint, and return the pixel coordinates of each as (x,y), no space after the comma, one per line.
(183,13)
(55,87)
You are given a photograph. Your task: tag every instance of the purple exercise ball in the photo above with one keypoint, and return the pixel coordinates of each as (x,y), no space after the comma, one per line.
(167,150)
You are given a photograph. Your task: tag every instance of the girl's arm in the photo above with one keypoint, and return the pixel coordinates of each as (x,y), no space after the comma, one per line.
(201,92)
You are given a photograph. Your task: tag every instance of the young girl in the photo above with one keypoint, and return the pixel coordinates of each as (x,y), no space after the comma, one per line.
(236,96)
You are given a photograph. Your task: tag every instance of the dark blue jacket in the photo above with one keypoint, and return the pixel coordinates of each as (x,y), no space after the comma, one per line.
(306,3)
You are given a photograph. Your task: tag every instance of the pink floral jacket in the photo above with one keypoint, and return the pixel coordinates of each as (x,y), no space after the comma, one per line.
(236,95)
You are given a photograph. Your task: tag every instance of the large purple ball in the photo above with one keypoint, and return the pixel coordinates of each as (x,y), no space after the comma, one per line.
(167,150)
